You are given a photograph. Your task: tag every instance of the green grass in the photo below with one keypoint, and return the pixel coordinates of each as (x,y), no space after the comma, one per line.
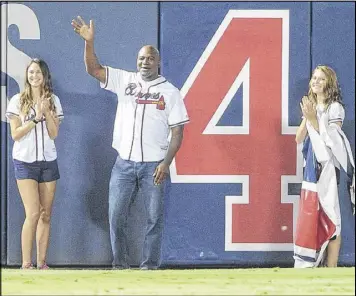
(267,281)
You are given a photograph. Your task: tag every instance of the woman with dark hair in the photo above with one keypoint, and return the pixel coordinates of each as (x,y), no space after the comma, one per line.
(326,150)
(35,115)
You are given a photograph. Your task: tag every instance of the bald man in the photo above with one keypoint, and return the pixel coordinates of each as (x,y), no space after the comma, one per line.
(149,108)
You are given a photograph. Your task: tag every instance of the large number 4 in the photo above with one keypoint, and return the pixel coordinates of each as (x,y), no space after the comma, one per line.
(250,49)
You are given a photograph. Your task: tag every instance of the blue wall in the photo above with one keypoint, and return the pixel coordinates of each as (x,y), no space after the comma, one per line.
(196,230)
(79,223)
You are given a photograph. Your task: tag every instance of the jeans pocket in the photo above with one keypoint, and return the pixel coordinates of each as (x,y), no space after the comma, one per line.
(19,166)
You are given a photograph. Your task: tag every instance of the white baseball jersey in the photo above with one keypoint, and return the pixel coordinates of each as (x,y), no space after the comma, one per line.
(36,145)
(146,112)
(335,113)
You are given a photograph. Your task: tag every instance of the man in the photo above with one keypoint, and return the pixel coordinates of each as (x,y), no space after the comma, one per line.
(149,107)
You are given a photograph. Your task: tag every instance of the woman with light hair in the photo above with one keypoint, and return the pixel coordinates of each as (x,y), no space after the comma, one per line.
(34,116)
(326,149)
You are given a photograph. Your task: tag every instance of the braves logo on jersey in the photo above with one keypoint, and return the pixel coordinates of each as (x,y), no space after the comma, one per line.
(261,152)
(145,98)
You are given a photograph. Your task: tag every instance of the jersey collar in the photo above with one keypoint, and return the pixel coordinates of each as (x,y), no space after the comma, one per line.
(158,80)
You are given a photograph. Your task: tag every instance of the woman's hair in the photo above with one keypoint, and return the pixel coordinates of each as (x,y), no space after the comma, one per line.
(26,98)
(332,89)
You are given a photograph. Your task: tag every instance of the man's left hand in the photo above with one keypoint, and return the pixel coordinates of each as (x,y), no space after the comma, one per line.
(160,173)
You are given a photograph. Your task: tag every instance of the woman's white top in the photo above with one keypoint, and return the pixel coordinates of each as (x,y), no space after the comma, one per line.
(335,113)
(36,145)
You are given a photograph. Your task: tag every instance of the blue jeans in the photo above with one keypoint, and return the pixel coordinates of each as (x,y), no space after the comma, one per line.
(127,177)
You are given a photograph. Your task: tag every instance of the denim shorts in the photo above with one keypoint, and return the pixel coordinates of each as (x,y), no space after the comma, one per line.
(40,171)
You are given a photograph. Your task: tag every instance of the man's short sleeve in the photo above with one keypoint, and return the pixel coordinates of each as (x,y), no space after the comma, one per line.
(13,107)
(114,79)
(178,114)
(336,113)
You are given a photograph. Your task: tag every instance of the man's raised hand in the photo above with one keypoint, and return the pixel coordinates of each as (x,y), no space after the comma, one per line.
(82,29)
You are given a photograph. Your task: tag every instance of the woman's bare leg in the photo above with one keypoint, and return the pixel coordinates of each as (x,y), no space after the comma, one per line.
(47,191)
(333,252)
(30,197)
